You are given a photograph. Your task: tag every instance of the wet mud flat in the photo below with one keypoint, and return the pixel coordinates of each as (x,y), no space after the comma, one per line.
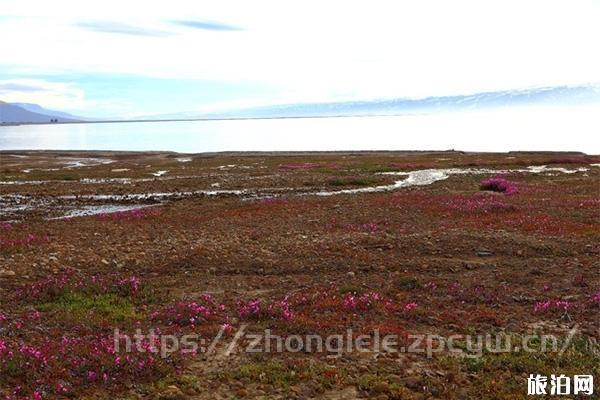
(402,243)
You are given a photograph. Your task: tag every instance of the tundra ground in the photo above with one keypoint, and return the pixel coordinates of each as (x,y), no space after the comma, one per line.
(216,244)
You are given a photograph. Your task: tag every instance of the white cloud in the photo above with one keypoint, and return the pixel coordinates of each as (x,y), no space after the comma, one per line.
(319,50)
(51,94)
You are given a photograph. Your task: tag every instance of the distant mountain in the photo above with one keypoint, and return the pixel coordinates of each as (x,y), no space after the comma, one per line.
(13,114)
(548,96)
(36,108)
(564,95)
(558,95)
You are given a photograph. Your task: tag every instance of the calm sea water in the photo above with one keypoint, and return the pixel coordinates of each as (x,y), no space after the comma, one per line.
(500,130)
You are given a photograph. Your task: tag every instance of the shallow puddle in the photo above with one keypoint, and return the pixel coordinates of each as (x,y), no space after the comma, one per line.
(97,210)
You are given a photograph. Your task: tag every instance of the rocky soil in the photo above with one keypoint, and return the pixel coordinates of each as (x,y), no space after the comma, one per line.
(209,244)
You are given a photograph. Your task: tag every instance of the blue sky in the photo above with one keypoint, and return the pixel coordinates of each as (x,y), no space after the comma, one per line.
(115,58)
(135,95)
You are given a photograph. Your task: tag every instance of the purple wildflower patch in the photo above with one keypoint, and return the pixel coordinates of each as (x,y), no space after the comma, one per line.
(485,204)
(498,184)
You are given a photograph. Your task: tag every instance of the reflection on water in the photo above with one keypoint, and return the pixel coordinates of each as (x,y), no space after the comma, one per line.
(499,130)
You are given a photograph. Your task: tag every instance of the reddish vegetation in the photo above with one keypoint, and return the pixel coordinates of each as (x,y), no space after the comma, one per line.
(129,215)
(498,184)
(300,166)
(442,259)
(484,204)
(69,281)
(572,160)
(19,237)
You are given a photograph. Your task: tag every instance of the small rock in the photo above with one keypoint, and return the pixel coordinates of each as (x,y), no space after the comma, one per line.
(192,391)
(351,274)
(412,381)
(484,253)
(172,393)
(270,389)
(363,368)
(295,389)
(381,387)
(308,392)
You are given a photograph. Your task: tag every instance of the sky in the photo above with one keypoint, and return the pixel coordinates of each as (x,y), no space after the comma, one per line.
(134,58)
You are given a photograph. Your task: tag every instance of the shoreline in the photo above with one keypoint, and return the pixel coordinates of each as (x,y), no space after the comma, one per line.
(294,153)
(116,121)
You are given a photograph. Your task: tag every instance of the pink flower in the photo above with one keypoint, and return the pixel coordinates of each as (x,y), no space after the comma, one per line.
(410,306)
(562,304)
(61,388)
(498,184)
(286,313)
(350,301)
(133,282)
(364,301)
(543,306)
(251,308)
(369,227)
(34,315)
